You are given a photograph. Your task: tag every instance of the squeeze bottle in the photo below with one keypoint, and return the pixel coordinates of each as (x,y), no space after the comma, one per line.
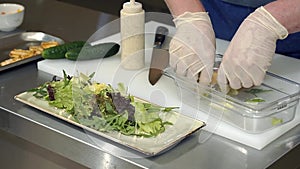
(132,35)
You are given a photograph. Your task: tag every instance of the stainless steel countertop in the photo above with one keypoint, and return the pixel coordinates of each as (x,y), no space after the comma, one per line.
(71,143)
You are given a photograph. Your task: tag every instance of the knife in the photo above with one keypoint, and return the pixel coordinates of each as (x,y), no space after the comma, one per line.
(160,56)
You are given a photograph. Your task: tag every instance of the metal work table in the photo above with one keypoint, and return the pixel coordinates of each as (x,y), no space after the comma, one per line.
(32,139)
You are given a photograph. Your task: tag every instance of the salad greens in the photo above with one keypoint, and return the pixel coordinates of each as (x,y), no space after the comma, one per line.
(256,91)
(255,100)
(101,107)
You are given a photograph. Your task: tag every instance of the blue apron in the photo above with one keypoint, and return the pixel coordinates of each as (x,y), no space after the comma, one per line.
(227,15)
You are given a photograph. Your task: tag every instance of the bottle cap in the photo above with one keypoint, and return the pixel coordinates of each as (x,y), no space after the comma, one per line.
(132,7)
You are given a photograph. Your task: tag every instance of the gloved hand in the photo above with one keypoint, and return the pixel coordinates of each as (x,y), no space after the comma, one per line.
(251,50)
(192,49)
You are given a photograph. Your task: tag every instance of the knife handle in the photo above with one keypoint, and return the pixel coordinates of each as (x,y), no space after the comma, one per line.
(160,36)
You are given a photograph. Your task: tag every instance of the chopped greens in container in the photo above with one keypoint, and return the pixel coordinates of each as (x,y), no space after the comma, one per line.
(256,91)
(101,107)
(255,100)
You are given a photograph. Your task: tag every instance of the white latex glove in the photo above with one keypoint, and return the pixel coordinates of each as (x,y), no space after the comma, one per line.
(192,49)
(251,50)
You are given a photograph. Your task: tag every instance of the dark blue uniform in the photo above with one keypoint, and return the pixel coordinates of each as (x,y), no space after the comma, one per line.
(227,15)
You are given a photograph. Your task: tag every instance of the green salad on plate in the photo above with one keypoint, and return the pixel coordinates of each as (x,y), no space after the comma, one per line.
(101,107)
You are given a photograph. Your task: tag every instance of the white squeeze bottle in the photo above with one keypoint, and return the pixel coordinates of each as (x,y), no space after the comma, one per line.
(132,35)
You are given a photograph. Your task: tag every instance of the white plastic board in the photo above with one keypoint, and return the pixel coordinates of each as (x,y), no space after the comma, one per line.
(165,93)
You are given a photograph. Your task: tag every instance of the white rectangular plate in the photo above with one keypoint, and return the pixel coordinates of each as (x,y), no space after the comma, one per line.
(182,127)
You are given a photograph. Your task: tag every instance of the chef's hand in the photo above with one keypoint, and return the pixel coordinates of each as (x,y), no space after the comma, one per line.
(251,50)
(192,49)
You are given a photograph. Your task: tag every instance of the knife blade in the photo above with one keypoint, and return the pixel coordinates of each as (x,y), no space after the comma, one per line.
(160,56)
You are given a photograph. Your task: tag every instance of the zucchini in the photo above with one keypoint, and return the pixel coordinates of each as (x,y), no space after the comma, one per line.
(102,50)
(58,52)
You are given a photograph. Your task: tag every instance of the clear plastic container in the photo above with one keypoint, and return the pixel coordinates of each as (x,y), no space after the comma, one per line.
(254,110)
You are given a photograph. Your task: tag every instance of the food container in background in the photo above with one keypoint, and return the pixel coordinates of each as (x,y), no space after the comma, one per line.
(253,110)
(11,16)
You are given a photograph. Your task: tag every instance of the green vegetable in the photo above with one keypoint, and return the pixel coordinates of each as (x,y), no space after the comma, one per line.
(39,92)
(87,52)
(255,100)
(276,121)
(58,52)
(103,108)
(256,91)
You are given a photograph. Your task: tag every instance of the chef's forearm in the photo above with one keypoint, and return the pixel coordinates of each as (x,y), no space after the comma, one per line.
(287,12)
(178,7)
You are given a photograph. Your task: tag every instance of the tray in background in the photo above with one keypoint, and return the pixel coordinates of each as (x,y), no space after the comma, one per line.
(23,40)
